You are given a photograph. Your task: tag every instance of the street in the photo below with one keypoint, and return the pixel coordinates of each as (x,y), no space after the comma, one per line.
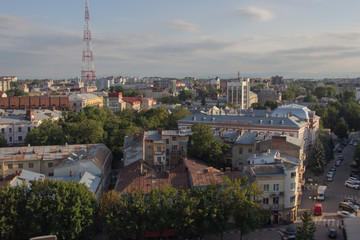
(335,193)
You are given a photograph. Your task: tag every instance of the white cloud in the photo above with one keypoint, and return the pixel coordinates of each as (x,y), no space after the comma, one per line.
(14,23)
(256,13)
(183,26)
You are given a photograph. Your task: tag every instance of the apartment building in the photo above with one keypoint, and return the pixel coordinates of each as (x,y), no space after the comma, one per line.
(15,124)
(58,161)
(79,101)
(238,93)
(163,149)
(278,177)
(116,102)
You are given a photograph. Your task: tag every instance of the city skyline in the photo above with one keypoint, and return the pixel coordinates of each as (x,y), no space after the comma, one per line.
(296,39)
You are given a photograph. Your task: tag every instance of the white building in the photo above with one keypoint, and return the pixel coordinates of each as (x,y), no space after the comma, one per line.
(238,93)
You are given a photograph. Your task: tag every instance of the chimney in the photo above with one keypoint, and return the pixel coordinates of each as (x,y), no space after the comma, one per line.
(239,132)
(221,132)
(80,175)
(71,174)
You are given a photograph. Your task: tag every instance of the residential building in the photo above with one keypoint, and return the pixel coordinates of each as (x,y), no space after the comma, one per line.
(162,149)
(4,84)
(58,161)
(15,124)
(238,93)
(80,101)
(268,94)
(277,175)
(115,101)
(191,174)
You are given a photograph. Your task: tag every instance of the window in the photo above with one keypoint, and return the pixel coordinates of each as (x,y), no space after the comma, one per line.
(29,129)
(265,200)
(174,138)
(292,199)
(50,164)
(149,147)
(31,165)
(167,141)
(266,187)
(250,150)
(51,174)
(3,130)
(240,150)
(10,166)
(149,157)
(275,200)
(293,174)
(20,165)
(276,187)
(19,129)
(174,147)
(20,138)
(167,151)
(159,159)
(292,186)
(10,129)
(159,148)
(10,139)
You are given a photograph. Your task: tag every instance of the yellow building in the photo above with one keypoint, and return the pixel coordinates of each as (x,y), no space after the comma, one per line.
(79,101)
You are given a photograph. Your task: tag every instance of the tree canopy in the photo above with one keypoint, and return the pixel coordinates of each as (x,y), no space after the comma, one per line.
(316,160)
(64,209)
(308,228)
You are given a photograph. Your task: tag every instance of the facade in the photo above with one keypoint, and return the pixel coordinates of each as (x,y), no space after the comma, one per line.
(80,101)
(278,177)
(115,102)
(238,93)
(15,124)
(4,84)
(266,94)
(162,149)
(58,160)
(58,102)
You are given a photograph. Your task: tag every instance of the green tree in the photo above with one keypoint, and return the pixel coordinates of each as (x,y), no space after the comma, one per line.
(49,132)
(64,209)
(85,132)
(272,104)
(357,155)
(176,114)
(341,129)
(310,98)
(125,92)
(185,95)
(16,92)
(308,228)
(317,161)
(288,95)
(3,142)
(169,99)
(258,106)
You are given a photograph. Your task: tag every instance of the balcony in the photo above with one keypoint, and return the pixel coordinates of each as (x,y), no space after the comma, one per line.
(276,194)
(274,206)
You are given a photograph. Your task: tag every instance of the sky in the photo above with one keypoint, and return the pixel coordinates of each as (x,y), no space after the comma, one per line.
(180,38)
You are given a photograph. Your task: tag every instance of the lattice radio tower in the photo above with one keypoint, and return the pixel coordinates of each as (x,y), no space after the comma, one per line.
(87,69)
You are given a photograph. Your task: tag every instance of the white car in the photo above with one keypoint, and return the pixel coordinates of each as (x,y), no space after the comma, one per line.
(345,214)
(354,180)
(352,185)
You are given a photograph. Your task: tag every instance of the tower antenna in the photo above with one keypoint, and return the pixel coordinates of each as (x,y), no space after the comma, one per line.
(87,69)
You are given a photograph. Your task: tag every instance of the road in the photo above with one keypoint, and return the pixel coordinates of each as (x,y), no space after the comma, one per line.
(336,192)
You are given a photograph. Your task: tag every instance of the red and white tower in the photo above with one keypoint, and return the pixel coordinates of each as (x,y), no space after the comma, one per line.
(87,69)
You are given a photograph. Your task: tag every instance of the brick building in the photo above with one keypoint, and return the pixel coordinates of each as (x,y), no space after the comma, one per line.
(60,102)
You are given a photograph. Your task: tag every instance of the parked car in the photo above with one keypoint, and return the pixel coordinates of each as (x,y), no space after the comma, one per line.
(345,214)
(330,174)
(332,233)
(332,169)
(351,184)
(329,179)
(352,200)
(345,206)
(354,179)
(341,157)
(337,163)
(353,164)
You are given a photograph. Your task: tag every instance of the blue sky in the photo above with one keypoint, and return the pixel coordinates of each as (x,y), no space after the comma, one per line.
(200,38)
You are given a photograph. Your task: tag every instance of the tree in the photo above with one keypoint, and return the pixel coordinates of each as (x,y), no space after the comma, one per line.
(85,132)
(341,129)
(3,142)
(247,214)
(64,209)
(258,106)
(176,114)
(310,98)
(202,145)
(317,161)
(272,104)
(49,132)
(169,99)
(308,228)
(185,95)
(288,95)
(357,155)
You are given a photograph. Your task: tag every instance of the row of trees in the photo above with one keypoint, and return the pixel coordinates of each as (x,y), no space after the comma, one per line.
(65,209)
(193,213)
(95,125)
